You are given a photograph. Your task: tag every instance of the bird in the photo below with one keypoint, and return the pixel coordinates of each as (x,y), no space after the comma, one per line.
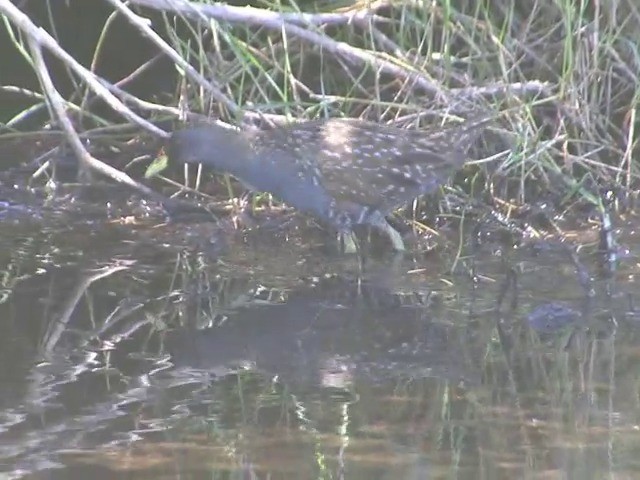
(343,172)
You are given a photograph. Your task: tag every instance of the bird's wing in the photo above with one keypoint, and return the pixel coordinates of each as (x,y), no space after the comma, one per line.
(367,163)
(381,166)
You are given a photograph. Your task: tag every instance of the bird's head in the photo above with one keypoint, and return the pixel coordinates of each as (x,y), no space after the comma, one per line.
(217,147)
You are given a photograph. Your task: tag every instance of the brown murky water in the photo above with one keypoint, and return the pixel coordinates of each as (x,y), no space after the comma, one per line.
(135,349)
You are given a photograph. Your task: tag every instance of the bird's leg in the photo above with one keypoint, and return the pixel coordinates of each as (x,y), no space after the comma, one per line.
(239,210)
(396,239)
(376,219)
(347,241)
(341,221)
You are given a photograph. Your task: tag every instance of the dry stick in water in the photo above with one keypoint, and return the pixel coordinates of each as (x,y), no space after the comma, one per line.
(56,104)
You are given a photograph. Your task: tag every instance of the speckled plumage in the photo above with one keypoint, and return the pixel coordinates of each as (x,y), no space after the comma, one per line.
(344,172)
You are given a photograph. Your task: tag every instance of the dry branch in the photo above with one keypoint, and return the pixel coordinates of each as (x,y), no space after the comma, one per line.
(37,38)
(283,22)
(56,104)
(301,25)
(143,27)
(42,38)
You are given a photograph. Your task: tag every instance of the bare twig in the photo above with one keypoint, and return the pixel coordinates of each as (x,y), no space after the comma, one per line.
(222,11)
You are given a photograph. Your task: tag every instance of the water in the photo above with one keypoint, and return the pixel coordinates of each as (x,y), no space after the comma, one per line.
(132,348)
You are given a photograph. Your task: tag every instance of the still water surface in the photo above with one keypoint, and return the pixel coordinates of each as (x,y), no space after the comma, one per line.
(130,348)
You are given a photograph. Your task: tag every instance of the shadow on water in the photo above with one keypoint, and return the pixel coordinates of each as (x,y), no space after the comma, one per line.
(132,349)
